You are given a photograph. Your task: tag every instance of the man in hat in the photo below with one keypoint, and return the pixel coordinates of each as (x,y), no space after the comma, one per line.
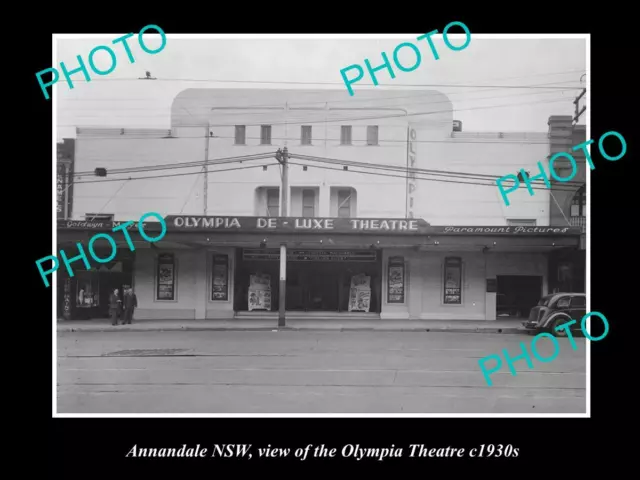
(130,303)
(115,307)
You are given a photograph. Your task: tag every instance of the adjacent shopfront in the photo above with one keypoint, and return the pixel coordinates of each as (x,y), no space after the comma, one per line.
(85,295)
(225,267)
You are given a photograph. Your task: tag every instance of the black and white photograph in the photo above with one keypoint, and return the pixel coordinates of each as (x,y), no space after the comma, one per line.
(321,225)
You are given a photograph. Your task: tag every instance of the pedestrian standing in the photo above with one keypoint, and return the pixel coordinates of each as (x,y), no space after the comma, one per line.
(130,303)
(115,307)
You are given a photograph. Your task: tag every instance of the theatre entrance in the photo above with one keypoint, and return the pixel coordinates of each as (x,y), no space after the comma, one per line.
(317,280)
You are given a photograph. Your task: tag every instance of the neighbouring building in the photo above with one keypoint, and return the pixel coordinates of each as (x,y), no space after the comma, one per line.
(65,152)
(64,178)
(377,226)
(568,205)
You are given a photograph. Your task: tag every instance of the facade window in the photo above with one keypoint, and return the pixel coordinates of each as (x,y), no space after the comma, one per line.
(308,203)
(372,135)
(306,135)
(241,134)
(344,203)
(220,278)
(166,278)
(453,281)
(521,222)
(345,135)
(273,202)
(579,203)
(265,135)
(99,217)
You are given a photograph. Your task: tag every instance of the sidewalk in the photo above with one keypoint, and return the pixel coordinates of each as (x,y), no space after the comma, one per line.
(270,324)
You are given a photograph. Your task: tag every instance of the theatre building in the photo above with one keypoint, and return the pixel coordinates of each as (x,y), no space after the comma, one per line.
(229,267)
(366,232)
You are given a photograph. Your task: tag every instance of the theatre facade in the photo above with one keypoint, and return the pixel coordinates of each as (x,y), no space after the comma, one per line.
(230,267)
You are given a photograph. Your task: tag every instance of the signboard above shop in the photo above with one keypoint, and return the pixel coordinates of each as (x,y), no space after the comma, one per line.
(301,225)
(510,230)
(297,224)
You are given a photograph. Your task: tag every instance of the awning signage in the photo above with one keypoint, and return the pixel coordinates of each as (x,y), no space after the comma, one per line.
(103,225)
(310,255)
(510,230)
(297,224)
(359,226)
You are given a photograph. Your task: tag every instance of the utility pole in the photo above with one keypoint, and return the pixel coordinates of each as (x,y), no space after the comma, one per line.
(406,199)
(283,159)
(206,170)
(580,111)
(577,103)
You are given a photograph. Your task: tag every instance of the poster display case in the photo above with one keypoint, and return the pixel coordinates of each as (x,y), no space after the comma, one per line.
(220,278)
(396,280)
(259,292)
(360,293)
(165,277)
(453,281)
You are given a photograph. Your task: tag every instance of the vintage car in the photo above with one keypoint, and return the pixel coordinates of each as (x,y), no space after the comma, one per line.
(557,309)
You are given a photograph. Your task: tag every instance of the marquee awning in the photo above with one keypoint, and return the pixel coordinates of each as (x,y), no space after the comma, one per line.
(398,232)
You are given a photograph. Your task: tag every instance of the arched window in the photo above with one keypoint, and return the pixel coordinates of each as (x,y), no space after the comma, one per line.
(579,203)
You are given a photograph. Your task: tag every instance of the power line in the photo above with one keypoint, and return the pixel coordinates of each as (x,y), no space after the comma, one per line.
(302,165)
(324,112)
(168,175)
(319,112)
(173,166)
(195,164)
(347,119)
(347,101)
(283,82)
(315,166)
(109,200)
(418,178)
(454,141)
(445,173)
(189,194)
(545,74)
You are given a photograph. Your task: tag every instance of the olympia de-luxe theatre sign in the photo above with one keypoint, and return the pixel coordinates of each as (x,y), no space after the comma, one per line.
(297,224)
(349,225)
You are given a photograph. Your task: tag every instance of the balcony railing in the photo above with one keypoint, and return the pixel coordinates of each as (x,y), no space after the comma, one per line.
(578,222)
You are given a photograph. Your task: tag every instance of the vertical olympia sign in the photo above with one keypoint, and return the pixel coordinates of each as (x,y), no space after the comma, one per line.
(55,75)
(412,183)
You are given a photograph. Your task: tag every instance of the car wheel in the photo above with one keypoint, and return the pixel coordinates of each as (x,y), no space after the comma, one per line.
(556,323)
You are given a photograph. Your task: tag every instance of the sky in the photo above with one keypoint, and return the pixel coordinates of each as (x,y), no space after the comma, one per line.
(469,77)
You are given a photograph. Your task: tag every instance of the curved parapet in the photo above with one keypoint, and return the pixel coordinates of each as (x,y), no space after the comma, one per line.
(200,106)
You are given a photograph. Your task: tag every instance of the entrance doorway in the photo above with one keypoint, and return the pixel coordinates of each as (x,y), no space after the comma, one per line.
(517,295)
(317,280)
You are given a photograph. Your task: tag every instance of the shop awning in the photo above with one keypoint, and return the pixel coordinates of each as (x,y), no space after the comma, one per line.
(187,231)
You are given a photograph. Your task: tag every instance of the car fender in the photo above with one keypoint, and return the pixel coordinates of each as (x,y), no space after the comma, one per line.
(553,317)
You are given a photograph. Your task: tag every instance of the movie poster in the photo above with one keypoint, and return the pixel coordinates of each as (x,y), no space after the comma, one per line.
(166,277)
(395,280)
(220,280)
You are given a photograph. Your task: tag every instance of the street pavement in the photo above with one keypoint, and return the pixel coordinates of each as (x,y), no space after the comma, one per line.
(311,372)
